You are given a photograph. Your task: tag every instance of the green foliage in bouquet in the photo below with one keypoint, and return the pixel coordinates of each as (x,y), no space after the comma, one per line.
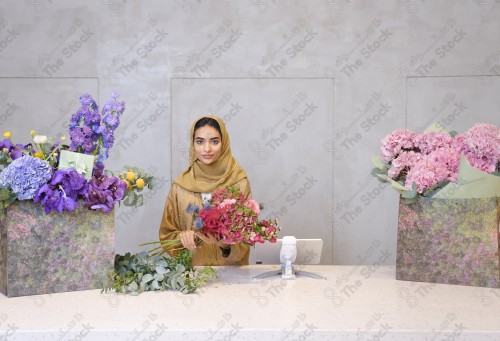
(6,198)
(141,272)
(137,180)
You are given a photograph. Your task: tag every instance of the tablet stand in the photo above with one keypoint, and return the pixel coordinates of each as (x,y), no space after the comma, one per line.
(287,272)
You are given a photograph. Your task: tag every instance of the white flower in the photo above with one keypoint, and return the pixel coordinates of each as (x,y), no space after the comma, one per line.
(40,139)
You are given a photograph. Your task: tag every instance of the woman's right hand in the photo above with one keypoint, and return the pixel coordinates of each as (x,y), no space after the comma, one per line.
(187,239)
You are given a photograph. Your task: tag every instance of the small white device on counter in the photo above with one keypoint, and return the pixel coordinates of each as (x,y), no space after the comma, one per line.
(287,252)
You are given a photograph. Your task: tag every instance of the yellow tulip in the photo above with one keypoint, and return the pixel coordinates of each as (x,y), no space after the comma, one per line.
(32,133)
(39,155)
(7,134)
(140,183)
(129,186)
(130,176)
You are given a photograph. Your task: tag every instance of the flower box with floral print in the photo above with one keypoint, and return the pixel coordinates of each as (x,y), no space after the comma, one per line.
(57,205)
(451,241)
(449,207)
(58,252)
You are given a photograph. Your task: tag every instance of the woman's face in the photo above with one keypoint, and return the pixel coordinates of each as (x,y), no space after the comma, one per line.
(207,144)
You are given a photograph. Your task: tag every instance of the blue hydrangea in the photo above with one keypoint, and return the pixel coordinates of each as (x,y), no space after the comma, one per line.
(25,176)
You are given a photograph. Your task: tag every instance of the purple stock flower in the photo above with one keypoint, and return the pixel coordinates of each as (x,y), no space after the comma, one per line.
(87,100)
(111,113)
(84,125)
(91,132)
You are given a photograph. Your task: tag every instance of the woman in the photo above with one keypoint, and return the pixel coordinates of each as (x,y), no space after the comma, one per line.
(212,167)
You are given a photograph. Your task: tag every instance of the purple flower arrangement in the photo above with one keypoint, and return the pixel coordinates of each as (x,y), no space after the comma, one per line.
(32,171)
(91,132)
(424,162)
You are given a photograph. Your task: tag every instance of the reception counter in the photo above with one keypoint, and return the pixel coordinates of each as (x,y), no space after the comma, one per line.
(352,303)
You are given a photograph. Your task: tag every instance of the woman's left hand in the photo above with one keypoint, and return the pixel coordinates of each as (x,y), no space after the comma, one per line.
(208,238)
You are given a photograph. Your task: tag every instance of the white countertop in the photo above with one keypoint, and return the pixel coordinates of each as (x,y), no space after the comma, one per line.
(353,303)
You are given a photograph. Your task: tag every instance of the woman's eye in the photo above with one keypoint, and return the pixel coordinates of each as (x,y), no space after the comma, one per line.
(215,141)
(199,142)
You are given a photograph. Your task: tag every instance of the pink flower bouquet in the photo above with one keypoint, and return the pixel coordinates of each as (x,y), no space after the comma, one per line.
(422,163)
(232,218)
(229,217)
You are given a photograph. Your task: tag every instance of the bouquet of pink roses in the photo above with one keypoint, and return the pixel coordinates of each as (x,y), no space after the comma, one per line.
(422,163)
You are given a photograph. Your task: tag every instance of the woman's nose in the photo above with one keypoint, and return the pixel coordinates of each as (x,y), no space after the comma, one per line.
(207,147)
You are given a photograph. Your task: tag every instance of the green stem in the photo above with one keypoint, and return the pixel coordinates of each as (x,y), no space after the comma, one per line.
(55,149)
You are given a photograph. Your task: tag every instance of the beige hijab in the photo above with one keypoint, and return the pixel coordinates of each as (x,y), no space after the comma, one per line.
(201,178)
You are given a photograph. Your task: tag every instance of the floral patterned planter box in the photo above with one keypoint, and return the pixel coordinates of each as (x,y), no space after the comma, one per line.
(58,252)
(452,241)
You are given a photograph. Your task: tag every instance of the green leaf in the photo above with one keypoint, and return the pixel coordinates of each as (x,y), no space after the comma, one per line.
(160,269)
(159,277)
(396,185)
(130,199)
(133,286)
(139,200)
(375,171)
(146,278)
(155,285)
(4,193)
(378,163)
(410,194)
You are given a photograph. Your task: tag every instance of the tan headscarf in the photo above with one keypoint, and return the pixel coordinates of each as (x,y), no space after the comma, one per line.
(201,178)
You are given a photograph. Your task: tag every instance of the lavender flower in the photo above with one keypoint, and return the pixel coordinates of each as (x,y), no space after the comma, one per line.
(25,175)
(63,191)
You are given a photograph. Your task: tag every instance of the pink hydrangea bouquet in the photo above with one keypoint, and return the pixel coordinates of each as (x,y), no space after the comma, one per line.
(420,164)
